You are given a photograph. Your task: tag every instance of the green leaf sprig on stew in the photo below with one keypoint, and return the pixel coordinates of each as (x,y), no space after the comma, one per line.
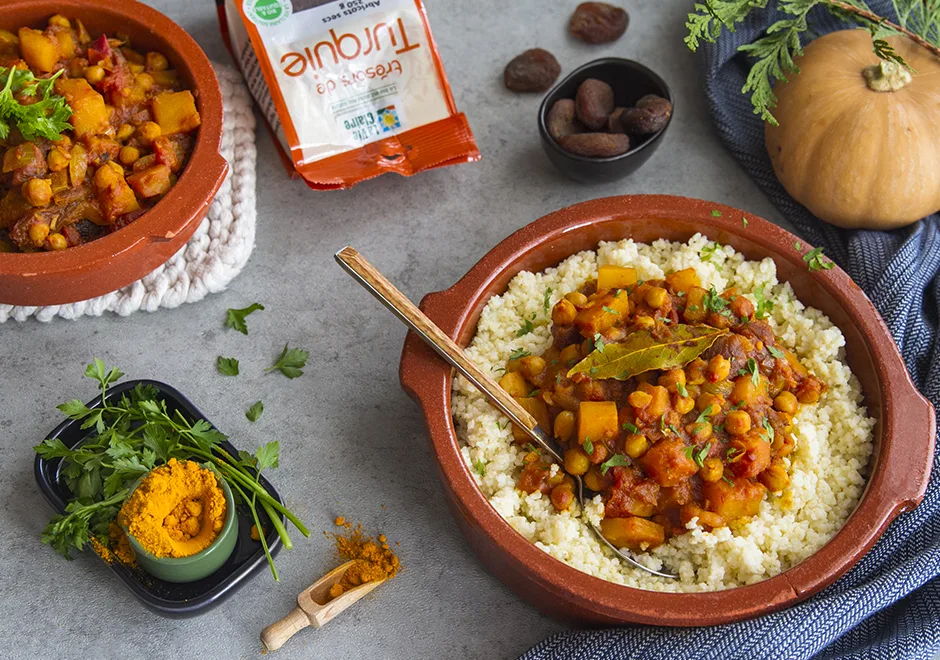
(47,117)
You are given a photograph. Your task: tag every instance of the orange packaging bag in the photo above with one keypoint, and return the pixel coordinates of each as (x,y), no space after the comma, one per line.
(350,88)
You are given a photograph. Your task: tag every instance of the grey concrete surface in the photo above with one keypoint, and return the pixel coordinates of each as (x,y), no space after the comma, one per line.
(352,443)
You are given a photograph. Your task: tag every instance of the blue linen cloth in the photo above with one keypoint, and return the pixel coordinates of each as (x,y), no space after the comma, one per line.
(888,606)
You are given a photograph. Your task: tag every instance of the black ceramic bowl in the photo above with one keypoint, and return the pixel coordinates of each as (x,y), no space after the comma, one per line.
(630,81)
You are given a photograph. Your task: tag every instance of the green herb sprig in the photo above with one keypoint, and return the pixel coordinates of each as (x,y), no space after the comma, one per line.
(48,117)
(290,362)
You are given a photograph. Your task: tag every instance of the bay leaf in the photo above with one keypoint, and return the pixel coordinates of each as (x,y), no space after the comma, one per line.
(640,351)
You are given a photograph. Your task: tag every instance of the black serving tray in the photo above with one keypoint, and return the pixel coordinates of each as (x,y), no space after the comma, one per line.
(167,598)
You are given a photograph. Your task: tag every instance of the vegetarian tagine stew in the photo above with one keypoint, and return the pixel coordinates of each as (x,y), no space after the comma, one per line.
(93,134)
(674,402)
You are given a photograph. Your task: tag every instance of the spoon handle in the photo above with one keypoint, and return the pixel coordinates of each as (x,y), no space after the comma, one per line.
(366,274)
(274,636)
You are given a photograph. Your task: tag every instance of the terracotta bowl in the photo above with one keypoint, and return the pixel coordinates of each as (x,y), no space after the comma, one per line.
(904,433)
(115,260)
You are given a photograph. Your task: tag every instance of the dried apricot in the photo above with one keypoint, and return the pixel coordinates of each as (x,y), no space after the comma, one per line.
(594,103)
(598,22)
(533,71)
(561,119)
(650,115)
(595,145)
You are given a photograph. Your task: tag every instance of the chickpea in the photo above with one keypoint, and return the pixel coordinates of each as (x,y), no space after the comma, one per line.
(570,354)
(639,399)
(37,192)
(786,402)
(808,395)
(577,298)
(563,312)
(564,425)
(718,369)
(562,496)
(594,480)
(737,422)
(7,37)
(700,431)
(150,131)
(144,81)
(576,461)
(706,399)
(646,322)
(38,233)
(512,382)
(695,372)
(705,518)
(672,379)
(744,391)
(124,132)
(684,404)
(93,74)
(635,445)
(57,160)
(57,242)
(656,297)
(129,155)
(60,21)
(712,469)
(157,61)
(775,478)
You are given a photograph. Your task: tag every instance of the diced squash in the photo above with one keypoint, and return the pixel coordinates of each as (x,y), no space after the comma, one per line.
(176,112)
(89,113)
(667,462)
(64,41)
(740,498)
(634,533)
(683,280)
(114,195)
(615,277)
(40,52)
(597,421)
(536,407)
(695,310)
(602,313)
(751,454)
(169,151)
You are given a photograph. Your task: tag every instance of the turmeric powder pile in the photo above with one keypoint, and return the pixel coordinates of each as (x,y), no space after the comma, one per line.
(373,560)
(177,510)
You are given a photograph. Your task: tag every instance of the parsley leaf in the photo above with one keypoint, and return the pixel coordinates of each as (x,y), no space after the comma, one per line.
(704,415)
(255,411)
(609,310)
(518,354)
(716,213)
(707,251)
(267,455)
(599,342)
(588,445)
(750,367)
(227,366)
(235,318)
(814,260)
(480,468)
(764,306)
(290,362)
(547,302)
(715,303)
(744,222)
(48,117)
(769,428)
(630,427)
(776,352)
(701,455)
(617,460)
(683,392)
(527,327)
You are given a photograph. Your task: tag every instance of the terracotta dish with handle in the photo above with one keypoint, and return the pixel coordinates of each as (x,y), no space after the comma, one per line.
(904,433)
(117,259)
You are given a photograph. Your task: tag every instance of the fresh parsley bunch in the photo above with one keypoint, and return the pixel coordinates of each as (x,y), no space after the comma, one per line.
(48,117)
(132,436)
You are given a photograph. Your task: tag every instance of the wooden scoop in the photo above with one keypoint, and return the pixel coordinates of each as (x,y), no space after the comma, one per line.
(314,607)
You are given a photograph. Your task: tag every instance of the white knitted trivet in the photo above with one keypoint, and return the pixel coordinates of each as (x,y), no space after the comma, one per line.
(218,250)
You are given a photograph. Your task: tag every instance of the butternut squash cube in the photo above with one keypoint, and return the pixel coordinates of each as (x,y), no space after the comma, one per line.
(176,112)
(114,195)
(740,498)
(40,52)
(634,533)
(597,420)
(152,182)
(603,313)
(89,114)
(683,280)
(615,277)
(667,462)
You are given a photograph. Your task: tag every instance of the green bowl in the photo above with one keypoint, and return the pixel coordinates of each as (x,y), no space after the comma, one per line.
(202,564)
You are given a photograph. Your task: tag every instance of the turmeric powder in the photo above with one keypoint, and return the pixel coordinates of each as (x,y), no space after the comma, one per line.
(177,510)
(372,561)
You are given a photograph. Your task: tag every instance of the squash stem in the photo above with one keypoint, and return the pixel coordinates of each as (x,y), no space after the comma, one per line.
(886,76)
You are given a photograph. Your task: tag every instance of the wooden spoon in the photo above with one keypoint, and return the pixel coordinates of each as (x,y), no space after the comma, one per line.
(370,278)
(314,607)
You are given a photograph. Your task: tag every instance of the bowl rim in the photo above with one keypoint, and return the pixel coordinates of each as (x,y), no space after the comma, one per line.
(649,140)
(897,482)
(173,216)
(231,523)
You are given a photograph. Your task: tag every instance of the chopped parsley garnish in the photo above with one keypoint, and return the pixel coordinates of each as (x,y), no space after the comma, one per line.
(662,423)
(798,246)
(704,415)
(255,411)
(680,388)
(715,303)
(631,427)
(689,451)
(744,222)
(227,366)
(546,301)
(588,445)
(674,429)
(480,468)
(290,362)
(518,354)
(46,116)
(769,428)
(814,260)
(750,367)
(532,393)
(235,318)
(599,343)
(609,310)
(617,460)
(764,306)
(776,352)
(716,213)
(707,251)
(692,308)
(558,378)
(727,480)
(701,455)
(529,447)
(502,426)
(527,327)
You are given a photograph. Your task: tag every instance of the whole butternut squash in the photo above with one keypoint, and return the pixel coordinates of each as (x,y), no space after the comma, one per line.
(858,141)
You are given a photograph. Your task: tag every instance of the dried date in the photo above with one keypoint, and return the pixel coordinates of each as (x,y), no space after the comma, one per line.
(593,103)
(561,119)
(650,115)
(595,145)
(532,71)
(613,122)
(598,22)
